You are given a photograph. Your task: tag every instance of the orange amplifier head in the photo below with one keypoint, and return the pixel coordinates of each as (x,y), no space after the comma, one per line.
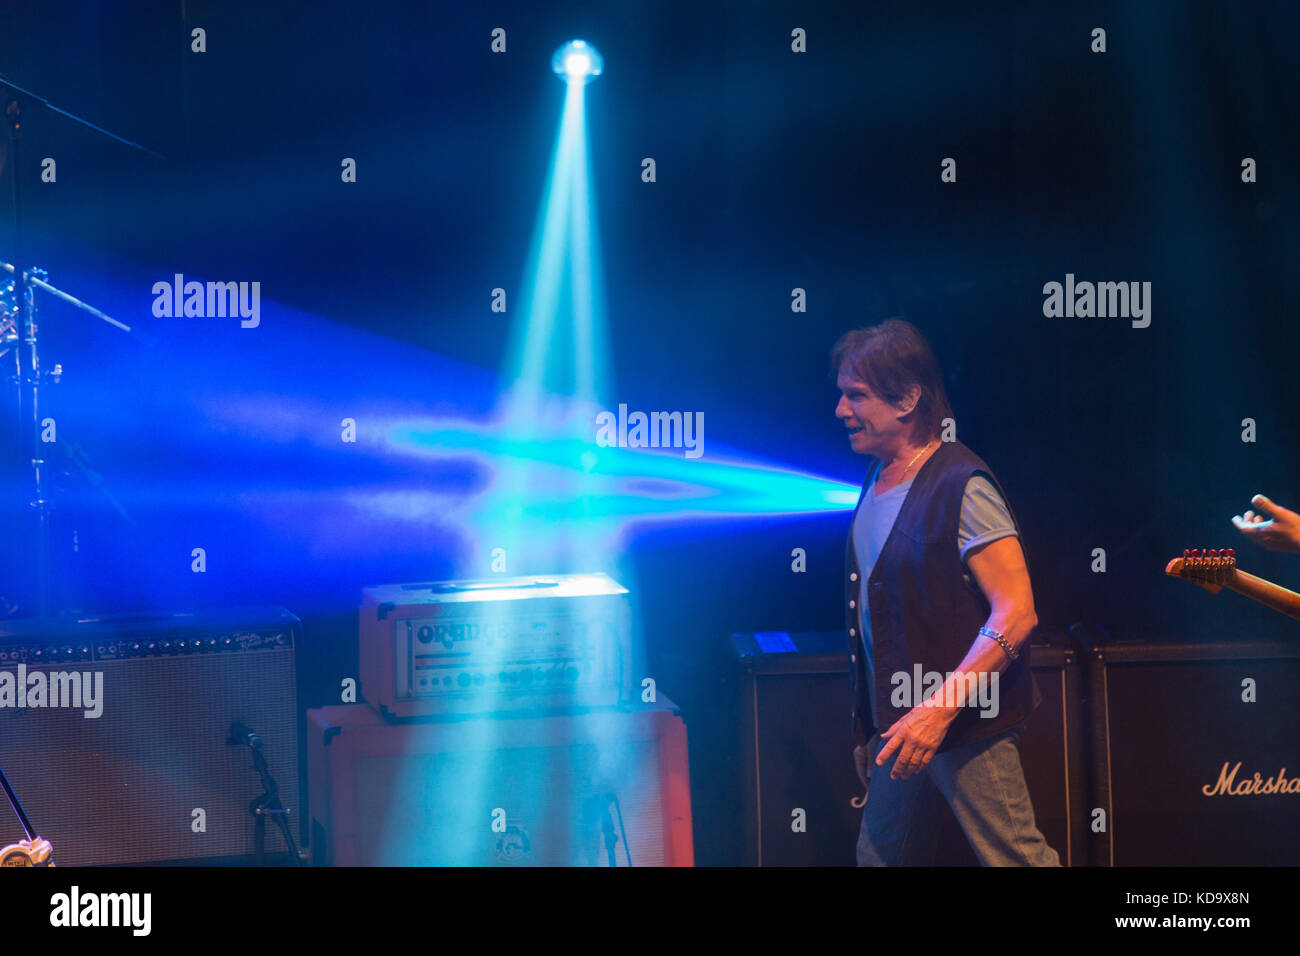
(500,644)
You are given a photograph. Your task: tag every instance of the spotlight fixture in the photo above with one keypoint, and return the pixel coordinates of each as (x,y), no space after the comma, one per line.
(577,62)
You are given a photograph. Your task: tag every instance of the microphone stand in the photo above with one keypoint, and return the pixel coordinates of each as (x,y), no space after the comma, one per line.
(28,369)
(30,852)
(268,804)
(29,375)
(596,812)
(611,838)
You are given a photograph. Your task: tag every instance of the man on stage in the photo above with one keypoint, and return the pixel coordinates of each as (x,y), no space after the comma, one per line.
(936,584)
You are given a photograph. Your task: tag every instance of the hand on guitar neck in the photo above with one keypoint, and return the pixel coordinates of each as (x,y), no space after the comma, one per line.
(1281,532)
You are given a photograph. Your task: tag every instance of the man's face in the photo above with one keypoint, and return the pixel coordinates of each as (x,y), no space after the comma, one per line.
(872,423)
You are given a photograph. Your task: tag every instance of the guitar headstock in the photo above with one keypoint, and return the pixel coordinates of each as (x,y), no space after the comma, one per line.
(1210,569)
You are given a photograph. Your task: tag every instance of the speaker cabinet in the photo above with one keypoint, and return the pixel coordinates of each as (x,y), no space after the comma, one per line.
(1054,753)
(1188,738)
(550,790)
(796,753)
(151,779)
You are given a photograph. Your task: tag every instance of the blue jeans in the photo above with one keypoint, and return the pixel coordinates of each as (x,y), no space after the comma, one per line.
(983,784)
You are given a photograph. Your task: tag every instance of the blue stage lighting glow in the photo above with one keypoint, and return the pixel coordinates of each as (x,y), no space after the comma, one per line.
(627,485)
(577,62)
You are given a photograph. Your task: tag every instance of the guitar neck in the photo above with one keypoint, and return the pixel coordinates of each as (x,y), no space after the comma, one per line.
(1265,592)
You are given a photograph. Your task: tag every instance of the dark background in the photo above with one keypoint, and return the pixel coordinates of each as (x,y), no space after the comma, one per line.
(775,170)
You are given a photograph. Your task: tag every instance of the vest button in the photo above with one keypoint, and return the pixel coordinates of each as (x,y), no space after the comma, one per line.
(852,632)
(853,658)
(853,604)
(853,576)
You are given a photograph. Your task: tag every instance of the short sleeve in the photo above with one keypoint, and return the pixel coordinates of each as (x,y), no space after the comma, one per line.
(984,516)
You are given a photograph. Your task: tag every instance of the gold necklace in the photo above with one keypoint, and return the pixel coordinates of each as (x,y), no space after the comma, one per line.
(914,457)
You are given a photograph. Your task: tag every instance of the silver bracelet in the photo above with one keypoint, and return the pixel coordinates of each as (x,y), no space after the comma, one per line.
(1001,639)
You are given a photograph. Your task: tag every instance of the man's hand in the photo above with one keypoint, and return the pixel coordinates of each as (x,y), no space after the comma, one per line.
(1281,532)
(915,737)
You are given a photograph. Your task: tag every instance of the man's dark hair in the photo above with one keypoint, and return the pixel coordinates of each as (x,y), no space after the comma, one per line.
(890,358)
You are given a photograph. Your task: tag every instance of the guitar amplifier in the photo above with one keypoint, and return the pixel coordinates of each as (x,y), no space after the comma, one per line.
(470,647)
(499,791)
(123,757)
(1196,753)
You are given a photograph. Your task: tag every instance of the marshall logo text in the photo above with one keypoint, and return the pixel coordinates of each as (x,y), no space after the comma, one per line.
(1227,785)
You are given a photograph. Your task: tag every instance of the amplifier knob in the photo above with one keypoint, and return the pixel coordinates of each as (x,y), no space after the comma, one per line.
(464,680)
(526,677)
(425,634)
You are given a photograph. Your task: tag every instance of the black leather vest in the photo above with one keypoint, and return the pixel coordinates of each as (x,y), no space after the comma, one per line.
(925,606)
